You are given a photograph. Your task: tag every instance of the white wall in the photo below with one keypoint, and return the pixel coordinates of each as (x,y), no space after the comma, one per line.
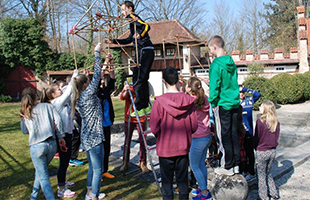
(156,83)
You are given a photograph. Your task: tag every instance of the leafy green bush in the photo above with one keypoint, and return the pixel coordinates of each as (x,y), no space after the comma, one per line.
(306,84)
(5,98)
(262,85)
(288,88)
(119,73)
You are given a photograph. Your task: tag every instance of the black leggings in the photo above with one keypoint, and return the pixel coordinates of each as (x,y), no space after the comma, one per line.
(64,158)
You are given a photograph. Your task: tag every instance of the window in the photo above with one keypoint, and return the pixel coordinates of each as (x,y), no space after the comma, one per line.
(280,69)
(201,71)
(170,52)
(157,52)
(243,70)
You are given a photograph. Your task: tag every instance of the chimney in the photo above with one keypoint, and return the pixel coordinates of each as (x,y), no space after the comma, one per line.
(264,54)
(235,55)
(278,54)
(293,53)
(249,55)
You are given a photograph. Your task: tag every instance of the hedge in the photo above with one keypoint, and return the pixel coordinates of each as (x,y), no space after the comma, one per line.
(262,85)
(289,88)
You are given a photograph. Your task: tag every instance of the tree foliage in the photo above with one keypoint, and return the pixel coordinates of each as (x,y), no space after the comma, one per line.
(21,43)
(119,73)
(282,27)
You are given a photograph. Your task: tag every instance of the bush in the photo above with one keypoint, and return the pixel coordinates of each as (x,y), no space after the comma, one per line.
(262,85)
(306,84)
(288,88)
(5,98)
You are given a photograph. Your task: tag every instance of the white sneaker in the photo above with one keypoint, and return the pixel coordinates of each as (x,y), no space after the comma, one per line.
(69,184)
(101,196)
(222,171)
(236,169)
(65,193)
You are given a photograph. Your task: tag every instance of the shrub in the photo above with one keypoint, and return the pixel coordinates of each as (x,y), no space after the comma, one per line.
(262,85)
(288,88)
(5,98)
(306,84)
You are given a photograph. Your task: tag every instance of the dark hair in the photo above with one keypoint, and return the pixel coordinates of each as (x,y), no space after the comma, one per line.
(196,89)
(217,40)
(129,4)
(170,75)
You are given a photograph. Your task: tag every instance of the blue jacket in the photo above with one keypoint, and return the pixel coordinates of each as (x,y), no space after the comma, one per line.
(247,105)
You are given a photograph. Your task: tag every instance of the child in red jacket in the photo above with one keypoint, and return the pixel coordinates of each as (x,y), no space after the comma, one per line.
(173,120)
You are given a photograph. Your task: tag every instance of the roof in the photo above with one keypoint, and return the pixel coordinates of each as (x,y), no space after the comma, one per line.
(270,61)
(167,30)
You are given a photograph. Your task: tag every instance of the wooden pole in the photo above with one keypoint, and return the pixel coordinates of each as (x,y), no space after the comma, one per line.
(136,43)
(164,52)
(86,12)
(73,48)
(178,46)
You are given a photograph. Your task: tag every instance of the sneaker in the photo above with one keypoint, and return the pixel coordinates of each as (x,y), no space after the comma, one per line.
(107,175)
(101,196)
(69,184)
(236,169)
(144,167)
(249,177)
(75,162)
(56,155)
(206,197)
(195,192)
(228,172)
(65,193)
(140,113)
(148,110)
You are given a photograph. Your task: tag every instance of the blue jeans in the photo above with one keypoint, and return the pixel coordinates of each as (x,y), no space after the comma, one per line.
(197,157)
(95,169)
(41,155)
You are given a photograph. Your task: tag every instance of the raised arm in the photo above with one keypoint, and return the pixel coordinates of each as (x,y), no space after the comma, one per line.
(255,94)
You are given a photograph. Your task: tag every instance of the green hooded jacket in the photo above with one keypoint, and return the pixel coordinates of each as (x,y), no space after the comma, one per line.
(224,88)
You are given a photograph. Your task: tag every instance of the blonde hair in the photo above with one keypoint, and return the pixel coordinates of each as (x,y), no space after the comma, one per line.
(28,101)
(77,88)
(197,90)
(269,115)
(46,94)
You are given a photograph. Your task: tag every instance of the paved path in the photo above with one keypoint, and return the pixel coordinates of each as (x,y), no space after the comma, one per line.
(293,183)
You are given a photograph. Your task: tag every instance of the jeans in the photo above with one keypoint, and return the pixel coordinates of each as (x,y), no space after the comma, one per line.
(95,169)
(64,158)
(177,165)
(197,157)
(248,146)
(41,155)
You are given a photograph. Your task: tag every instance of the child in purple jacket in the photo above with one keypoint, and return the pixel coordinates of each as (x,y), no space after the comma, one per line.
(265,142)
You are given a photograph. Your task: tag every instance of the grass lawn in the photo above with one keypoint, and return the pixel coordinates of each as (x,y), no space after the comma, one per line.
(17,171)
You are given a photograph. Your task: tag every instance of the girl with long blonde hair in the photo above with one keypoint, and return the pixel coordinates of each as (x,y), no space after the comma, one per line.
(266,137)
(201,138)
(87,103)
(61,101)
(41,121)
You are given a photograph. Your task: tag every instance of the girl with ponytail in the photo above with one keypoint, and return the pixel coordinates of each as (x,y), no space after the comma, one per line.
(267,131)
(201,138)
(87,103)
(41,121)
(61,101)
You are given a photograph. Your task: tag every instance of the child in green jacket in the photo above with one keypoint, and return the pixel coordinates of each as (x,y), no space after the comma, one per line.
(225,100)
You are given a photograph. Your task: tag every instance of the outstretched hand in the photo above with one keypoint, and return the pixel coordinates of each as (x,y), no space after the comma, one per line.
(62,145)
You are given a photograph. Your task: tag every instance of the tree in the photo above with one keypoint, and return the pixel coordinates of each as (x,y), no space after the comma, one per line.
(282,27)
(22,44)
(7,7)
(254,23)
(188,12)
(36,9)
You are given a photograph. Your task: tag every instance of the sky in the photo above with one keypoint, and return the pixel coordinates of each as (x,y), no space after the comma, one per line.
(233,4)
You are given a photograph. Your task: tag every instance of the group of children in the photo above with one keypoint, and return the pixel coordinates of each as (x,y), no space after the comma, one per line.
(181,124)
(179,120)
